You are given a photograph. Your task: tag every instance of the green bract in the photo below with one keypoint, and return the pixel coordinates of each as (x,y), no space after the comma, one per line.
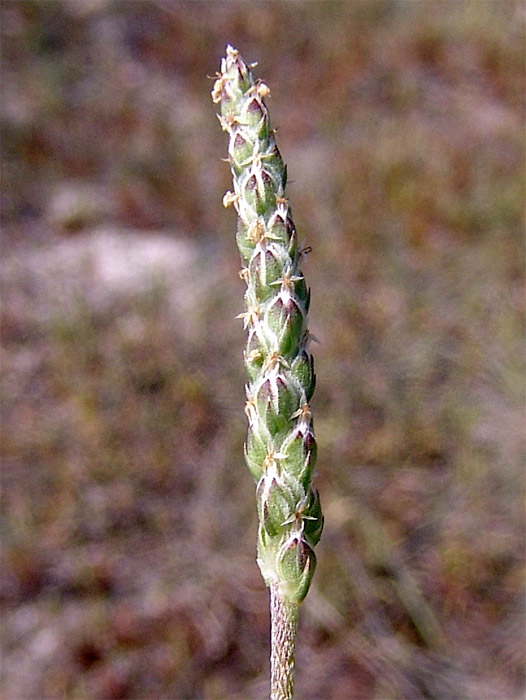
(281,449)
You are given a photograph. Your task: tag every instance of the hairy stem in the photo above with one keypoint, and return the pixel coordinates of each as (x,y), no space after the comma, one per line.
(284,622)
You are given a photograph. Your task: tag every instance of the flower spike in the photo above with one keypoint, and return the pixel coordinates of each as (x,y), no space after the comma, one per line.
(280,451)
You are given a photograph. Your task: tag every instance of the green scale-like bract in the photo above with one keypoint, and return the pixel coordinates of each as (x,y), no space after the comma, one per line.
(281,449)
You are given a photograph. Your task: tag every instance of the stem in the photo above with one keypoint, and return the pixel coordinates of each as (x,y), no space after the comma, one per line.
(284,623)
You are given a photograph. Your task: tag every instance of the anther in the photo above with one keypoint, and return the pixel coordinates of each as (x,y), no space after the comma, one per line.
(230,198)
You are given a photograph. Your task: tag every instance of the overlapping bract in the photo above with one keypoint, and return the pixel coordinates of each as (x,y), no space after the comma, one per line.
(281,449)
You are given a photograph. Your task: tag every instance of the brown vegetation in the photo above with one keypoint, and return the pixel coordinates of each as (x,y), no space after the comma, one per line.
(128,515)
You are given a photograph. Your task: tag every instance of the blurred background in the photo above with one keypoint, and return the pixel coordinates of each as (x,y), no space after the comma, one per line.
(128,516)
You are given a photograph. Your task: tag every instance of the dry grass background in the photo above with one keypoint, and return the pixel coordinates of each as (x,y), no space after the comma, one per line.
(128,518)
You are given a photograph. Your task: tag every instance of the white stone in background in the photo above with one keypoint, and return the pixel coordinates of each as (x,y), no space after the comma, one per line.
(101,267)
(77,205)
